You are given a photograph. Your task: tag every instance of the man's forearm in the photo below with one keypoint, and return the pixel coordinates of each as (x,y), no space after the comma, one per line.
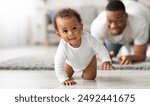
(136,58)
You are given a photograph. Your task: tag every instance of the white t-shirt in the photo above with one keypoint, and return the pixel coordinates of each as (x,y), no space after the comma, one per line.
(79,58)
(137,26)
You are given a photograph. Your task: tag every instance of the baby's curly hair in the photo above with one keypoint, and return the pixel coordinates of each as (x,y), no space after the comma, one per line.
(66,13)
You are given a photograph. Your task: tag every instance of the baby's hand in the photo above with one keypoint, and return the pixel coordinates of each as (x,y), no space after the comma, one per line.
(107,66)
(69,82)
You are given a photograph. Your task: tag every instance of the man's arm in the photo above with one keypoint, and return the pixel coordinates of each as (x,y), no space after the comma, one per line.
(139,52)
(138,56)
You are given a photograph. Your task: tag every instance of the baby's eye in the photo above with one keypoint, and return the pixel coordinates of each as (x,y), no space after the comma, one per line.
(74,28)
(65,31)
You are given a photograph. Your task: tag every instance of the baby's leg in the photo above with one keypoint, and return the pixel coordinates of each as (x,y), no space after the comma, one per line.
(90,72)
(68,70)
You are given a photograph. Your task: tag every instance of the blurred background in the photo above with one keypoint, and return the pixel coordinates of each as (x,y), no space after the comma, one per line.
(29,22)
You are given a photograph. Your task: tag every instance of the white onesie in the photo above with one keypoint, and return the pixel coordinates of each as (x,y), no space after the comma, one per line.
(79,58)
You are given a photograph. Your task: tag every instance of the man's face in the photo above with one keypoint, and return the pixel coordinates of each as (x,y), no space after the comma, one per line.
(116,21)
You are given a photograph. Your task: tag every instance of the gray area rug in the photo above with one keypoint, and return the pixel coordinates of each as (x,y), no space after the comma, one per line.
(28,63)
(47,63)
(136,66)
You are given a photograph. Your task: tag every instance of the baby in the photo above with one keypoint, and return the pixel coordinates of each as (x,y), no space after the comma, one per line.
(77,50)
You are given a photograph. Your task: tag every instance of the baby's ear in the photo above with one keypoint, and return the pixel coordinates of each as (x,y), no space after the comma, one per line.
(58,34)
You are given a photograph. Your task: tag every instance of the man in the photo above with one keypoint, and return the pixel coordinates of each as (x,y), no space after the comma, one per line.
(123,22)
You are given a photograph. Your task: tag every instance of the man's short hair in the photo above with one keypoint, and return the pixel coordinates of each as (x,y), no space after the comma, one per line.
(115,5)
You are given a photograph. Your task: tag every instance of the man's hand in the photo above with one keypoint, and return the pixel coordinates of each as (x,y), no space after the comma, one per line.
(125,60)
(107,65)
(69,82)
(138,56)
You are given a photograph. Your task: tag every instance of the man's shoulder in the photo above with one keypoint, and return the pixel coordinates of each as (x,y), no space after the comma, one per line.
(136,20)
(136,9)
(102,16)
(99,24)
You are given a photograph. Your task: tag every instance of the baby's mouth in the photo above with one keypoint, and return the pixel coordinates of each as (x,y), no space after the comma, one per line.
(73,38)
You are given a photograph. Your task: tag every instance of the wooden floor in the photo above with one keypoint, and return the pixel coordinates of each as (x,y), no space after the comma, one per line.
(40,79)
(11,79)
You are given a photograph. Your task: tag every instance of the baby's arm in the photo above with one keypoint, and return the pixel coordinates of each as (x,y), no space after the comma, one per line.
(59,61)
(102,52)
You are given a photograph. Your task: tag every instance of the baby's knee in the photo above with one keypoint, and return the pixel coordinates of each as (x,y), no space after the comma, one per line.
(88,77)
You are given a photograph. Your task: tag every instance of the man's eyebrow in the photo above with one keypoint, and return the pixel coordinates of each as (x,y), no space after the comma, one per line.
(119,17)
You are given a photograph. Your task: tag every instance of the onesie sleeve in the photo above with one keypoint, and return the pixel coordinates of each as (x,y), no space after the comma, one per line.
(99,48)
(59,61)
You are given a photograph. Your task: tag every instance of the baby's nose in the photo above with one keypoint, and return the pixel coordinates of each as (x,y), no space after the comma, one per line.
(71,34)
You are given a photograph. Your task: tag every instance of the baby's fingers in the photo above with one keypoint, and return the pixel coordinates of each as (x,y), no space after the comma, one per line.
(69,82)
(107,67)
(112,67)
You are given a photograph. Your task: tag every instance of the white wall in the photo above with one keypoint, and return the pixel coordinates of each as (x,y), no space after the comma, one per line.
(22,22)
(74,3)
(145,2)
(15,22)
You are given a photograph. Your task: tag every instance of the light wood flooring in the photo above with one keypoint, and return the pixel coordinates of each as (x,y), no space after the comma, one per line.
(11,79)
(42,79)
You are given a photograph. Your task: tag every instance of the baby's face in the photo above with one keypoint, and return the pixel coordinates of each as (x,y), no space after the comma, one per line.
(69,29)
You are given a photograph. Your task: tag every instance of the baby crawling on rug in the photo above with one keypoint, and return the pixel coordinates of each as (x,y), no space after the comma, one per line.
(77,49)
